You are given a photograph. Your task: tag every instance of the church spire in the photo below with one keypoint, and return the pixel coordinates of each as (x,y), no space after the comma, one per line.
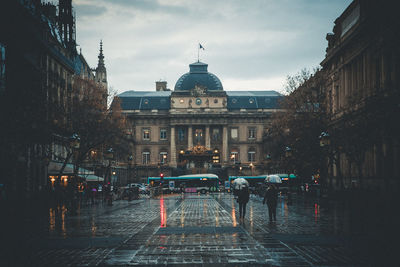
(101,56)
(101,72)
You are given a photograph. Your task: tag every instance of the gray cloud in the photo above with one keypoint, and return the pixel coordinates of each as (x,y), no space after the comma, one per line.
(85,10)
(149,6)
(246,41)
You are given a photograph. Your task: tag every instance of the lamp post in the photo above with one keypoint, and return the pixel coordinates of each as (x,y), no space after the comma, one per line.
(109,155)
(74,142)
(268,160)
(130,160)
(251,168)
(325,142)
(288,155)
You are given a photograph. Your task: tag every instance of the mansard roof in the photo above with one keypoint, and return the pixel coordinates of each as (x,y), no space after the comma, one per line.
(253,99)
(161,100)
(145,100)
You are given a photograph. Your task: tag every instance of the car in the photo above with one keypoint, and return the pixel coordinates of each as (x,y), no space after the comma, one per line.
(142,188)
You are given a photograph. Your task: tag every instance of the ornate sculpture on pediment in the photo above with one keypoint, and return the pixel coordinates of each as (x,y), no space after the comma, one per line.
(199,149)
(198,90)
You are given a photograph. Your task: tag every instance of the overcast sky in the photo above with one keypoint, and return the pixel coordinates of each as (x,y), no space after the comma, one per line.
(249,44)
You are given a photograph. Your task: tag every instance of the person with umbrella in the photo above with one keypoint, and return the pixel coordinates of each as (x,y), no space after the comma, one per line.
(242,190)
(271,198)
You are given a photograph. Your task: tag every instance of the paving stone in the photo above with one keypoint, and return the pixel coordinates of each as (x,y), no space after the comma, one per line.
(197,230)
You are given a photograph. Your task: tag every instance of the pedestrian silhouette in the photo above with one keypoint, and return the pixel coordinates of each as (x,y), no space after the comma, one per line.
(271,198)
(243,197)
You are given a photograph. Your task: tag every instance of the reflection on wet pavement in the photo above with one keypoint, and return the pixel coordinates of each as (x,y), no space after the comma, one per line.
(196,229)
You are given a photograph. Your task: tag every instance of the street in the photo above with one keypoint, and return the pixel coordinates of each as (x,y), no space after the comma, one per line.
(192,229)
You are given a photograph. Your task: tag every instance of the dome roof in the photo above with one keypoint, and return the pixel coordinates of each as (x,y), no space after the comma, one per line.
(198,75)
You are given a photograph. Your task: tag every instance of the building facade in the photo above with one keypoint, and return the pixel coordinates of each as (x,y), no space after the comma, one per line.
(362,69)
(198,127)
(38,66)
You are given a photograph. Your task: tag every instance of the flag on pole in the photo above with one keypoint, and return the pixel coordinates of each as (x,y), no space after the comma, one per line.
(201,47)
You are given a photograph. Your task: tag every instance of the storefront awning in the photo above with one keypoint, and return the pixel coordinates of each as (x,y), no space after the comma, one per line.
(55,167)
(93,178)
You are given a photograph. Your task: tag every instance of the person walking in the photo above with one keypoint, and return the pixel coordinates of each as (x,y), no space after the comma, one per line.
(271,198)
(243,197)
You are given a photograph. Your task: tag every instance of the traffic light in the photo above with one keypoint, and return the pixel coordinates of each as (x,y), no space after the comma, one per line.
(161,177)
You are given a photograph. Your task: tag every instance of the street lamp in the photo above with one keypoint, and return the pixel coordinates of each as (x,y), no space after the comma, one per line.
(324,139)
(109,155)
(251,168)
(288,152)
(74,141)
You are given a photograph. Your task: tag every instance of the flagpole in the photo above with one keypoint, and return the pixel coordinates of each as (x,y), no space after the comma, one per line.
(198,53)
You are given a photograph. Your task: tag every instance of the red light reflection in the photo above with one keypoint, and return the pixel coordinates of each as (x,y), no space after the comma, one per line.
(163,213)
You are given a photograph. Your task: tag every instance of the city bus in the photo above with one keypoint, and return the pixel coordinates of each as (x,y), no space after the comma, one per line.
(256,183)
(193,183)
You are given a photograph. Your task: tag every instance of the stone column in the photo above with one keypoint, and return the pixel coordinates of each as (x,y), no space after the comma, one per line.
(190,137)
(208,139)
(173,148)
(225,145)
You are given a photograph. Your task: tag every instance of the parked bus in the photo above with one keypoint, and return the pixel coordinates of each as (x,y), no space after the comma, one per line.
(256,183)
(193,183)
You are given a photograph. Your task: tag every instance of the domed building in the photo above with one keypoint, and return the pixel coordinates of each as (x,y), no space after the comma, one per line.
(198,127)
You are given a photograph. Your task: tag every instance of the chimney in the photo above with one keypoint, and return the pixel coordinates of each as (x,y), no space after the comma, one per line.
(161,86)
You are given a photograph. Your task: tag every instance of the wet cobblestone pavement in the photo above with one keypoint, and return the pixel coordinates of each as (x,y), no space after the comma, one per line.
(193,229)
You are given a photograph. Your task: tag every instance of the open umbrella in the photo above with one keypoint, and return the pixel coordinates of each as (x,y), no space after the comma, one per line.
(238,183)
(273,179)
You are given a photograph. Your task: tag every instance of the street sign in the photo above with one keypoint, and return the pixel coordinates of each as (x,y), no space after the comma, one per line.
(171,185)
(227,185)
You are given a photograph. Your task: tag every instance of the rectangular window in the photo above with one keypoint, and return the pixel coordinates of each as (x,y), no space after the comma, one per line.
(234,156)
(252,133)
(198,136)
(163,157)
(251,156)
(163,134)
(146,157)
(2,67)
(234,133)
(181,134)
(215,135)
(146,134)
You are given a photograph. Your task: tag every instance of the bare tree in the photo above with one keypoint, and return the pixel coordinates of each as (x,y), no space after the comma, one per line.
(301,123)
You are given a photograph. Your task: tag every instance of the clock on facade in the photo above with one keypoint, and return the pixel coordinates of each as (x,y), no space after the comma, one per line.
(198,101)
